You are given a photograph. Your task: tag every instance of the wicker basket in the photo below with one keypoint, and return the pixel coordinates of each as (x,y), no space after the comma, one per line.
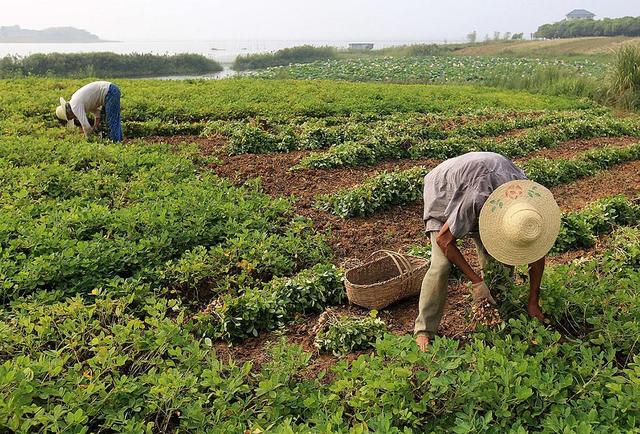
(385,278)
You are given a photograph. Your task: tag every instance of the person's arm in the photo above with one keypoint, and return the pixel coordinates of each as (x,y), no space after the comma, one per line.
(536,270)
(447,242)
(79,112)
(96,120)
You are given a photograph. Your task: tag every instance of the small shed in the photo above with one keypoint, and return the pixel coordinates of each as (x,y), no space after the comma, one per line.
(580,14)
(361,46)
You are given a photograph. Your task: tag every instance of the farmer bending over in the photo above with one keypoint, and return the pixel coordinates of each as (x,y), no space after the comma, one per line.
(518,222)
(93,98)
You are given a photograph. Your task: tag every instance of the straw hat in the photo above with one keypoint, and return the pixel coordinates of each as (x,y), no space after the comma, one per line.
(61,112)
(519,222)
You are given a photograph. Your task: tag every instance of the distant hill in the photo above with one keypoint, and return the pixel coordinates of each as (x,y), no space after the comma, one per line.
(50,35)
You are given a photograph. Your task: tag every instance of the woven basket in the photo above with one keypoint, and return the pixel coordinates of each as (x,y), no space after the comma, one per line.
(385,278)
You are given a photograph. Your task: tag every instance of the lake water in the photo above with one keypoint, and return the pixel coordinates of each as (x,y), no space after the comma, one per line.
(223,51)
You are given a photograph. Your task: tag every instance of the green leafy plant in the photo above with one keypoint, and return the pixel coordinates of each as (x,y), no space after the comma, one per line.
(255,310)
(341,335)
(395,146)
(398,188)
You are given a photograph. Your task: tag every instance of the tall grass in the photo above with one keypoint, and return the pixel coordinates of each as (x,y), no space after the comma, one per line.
(624,89)
(286,56)
(112,65)
(551,80)
(620,87)
(415,50)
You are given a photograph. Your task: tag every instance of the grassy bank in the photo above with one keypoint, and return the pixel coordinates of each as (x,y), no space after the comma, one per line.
(106,65)
(286,56)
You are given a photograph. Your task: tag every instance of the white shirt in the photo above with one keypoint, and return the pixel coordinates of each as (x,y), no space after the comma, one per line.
(89,99)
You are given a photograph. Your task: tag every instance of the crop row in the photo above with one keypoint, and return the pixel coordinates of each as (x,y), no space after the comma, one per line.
(389,144)
(283,134)
(207,100)
(73,364)
(380,132)
(580,229)
(76,216)
(232,317)
(403,187)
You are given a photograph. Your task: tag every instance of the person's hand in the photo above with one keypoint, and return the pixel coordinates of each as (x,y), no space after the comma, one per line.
(423,342)
(535,312)
(480,292)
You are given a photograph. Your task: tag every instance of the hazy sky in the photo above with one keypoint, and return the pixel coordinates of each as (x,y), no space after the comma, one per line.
(300,19)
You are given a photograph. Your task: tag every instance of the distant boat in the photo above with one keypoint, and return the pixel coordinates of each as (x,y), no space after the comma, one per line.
(217,49)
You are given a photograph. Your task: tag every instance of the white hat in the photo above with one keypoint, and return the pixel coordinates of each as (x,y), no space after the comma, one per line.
(519,222)
(61,112)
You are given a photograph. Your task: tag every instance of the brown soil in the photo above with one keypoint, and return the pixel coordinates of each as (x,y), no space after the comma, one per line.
(621,179)
(571,148)
(305,184)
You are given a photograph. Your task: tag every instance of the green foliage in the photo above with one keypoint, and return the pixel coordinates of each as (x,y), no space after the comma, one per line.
(286,56)
(76,364)
(624,246)
(625,26)
(625,82)
(379,192)
(103,247)
(156,127)
(579,229)
(413,50)
(210,100)
(553,172)
(423,68)
(384,134)
(237,317)
(76,215)
(341,335)
(596,300)
(106,65)
(398,188)
(384,142)
(553,80)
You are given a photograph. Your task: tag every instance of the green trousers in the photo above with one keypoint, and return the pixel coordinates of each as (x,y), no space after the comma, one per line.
(433,295)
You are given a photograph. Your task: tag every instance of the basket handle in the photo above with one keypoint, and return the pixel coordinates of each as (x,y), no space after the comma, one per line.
(403,264)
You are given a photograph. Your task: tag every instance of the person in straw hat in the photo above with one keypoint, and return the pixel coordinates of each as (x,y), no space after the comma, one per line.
(511,219)
(93,98)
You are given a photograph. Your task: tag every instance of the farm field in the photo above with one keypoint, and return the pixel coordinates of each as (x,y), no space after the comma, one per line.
(434,69)
(190,280)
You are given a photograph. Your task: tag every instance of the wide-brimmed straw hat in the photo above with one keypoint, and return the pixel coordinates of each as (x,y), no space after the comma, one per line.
(61,112)
(519,222)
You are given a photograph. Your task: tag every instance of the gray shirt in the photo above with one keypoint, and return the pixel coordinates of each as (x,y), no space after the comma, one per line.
(456,190)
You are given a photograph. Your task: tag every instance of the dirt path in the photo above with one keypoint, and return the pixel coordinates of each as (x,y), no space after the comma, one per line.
(571,148)
(621,179)
(305,184)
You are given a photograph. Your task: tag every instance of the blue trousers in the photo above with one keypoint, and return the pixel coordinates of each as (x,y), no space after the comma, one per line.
(112,113)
